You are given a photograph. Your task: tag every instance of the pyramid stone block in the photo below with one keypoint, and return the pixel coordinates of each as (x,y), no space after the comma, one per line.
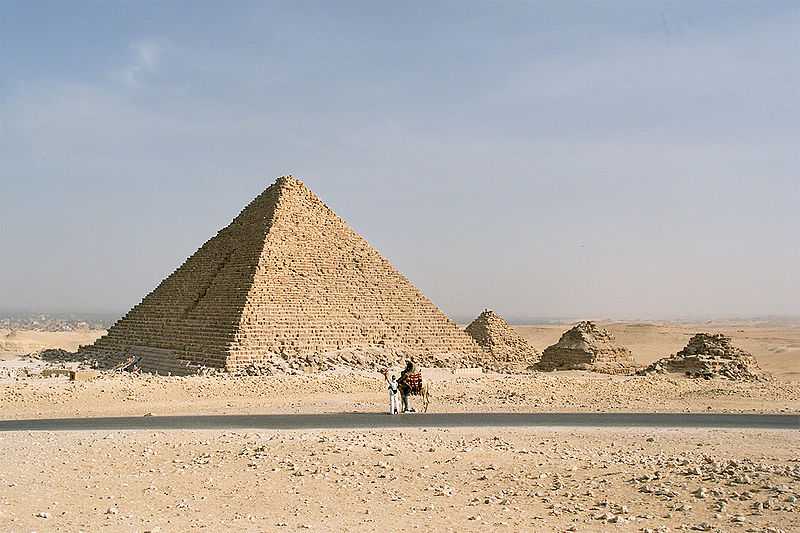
(289,277)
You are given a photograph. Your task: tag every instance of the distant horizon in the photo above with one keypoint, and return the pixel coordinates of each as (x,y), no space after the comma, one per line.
(518,320)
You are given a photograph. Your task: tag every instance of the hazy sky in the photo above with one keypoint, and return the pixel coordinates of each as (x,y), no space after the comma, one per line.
(583,159)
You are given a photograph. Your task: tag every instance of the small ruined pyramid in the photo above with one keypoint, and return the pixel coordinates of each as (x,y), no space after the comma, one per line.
(587,347)
(287,277)
(710,355)
(507,347)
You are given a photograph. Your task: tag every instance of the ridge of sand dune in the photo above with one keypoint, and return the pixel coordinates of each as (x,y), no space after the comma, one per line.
(20,342)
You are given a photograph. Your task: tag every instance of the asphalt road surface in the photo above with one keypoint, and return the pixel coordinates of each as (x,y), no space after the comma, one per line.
(378,420)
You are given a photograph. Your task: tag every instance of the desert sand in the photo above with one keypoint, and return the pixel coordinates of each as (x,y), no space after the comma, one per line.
(776,347)
(20,342)
(427,480)
(359,391)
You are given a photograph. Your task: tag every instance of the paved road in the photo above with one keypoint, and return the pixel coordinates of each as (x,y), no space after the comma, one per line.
(377,420)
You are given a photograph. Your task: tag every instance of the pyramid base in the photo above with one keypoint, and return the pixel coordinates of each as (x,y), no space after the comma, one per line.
(571,361)
(165,361)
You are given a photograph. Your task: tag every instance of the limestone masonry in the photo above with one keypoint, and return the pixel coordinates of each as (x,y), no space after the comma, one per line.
(587,347)
(287,277)
(507,347)
(709,355)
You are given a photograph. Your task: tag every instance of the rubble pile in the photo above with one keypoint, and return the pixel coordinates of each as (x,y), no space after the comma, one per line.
(587,347)
(361,358)
(509,350)
(707,356)
(357,358)
(58,355)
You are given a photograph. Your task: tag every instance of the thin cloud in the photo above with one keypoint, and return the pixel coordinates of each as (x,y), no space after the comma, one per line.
(145,60)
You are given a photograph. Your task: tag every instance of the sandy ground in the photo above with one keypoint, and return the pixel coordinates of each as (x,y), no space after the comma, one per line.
(426,480)
(360,392)
(776,345)
(20,342)
(437,479)
(777,348)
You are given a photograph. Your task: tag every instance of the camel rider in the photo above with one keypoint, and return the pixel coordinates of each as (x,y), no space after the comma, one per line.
(405,389)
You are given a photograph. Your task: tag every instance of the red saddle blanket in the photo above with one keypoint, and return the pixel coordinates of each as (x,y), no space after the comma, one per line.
(414,383)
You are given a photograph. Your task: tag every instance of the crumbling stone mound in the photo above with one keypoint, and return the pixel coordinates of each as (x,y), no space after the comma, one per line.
(587,347)
(507,348)
(707,356)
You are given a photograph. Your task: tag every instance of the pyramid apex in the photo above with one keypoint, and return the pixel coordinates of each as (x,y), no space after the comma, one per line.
(288,179)
(288,183)
(487,312)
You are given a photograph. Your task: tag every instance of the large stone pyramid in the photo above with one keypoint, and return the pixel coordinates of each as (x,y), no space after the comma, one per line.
(508,348)
(287,277)
(587,347)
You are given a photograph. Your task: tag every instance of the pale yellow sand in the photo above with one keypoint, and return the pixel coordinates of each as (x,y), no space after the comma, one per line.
(15,343)
(775,346)
(420,480)
(423,480)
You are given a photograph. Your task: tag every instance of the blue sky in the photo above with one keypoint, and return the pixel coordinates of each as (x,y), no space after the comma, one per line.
(581,159)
